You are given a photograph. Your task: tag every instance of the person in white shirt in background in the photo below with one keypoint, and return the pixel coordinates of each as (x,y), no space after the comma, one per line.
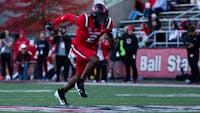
(174,34)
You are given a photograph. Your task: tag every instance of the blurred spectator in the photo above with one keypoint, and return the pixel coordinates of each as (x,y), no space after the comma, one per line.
(138,8)
(159,6)
(192,43)
(184,26)
(6,52)
(42,50)
(147,11)
(101,67)
(155,22)
(145,28)
(143,35)
(22,39)
(22,60)
(63,43)
(174,32)
(129,44)
(156,26)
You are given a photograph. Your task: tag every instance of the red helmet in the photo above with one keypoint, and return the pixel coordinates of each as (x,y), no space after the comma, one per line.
(99,13)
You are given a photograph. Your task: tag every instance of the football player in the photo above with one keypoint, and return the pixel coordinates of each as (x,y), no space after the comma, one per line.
(90,27)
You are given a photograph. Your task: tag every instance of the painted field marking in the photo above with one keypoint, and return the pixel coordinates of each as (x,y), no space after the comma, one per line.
(123,95)
(103,108)
(159,95)
(128,84)
(30,91)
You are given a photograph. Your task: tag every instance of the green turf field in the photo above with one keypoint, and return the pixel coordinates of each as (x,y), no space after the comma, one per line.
(41,95)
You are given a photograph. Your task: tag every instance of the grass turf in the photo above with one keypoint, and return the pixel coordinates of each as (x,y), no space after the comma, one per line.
(98,95)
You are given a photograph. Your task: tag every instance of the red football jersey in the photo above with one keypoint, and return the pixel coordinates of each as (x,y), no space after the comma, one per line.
(87,37)
(87,34)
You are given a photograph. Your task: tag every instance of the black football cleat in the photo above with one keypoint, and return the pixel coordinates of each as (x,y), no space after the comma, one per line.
(80,88)
(60,95)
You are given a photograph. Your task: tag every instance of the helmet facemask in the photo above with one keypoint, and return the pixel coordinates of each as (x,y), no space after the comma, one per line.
(99,14)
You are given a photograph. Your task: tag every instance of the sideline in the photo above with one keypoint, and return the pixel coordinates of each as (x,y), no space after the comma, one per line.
(30,91)
(102,108)
(130,84)
(107,84)
(159,95)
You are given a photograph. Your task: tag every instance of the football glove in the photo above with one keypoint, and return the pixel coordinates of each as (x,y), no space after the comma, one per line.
(49,26)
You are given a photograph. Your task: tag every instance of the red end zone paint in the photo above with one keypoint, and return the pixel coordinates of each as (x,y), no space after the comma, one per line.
(162,62)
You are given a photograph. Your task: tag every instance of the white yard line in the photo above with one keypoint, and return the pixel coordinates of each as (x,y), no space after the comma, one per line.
(25,91)
(129,84)
(144,84)
(159,95)
(29,91)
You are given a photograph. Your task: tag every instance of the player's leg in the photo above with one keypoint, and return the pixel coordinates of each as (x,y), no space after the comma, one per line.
(89,66)
(86,59)
(80,83)
(60,93)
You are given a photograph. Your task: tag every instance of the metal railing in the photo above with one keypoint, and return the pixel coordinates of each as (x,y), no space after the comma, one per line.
(154,38)
(164,43)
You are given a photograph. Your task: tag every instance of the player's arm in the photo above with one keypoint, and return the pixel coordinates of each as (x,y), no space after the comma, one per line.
(109,34)
(65,18)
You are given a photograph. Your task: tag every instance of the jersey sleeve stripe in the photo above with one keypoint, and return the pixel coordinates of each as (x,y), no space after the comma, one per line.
(109,23)
(77,51)
(86,20)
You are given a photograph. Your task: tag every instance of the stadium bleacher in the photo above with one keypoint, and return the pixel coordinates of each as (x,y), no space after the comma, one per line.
(180,12)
